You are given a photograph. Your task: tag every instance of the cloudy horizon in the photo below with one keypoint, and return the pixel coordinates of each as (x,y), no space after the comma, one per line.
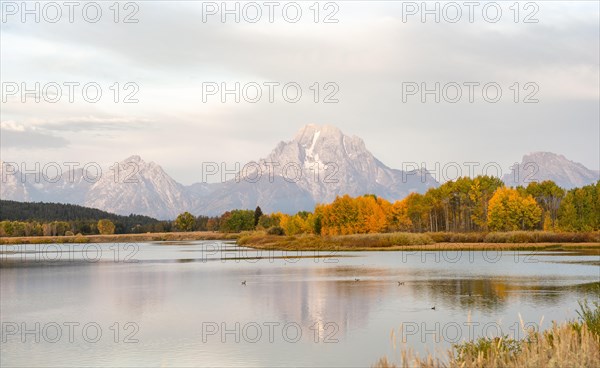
(369,55)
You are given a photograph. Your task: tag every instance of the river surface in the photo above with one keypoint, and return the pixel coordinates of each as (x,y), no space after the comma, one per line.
(177,304)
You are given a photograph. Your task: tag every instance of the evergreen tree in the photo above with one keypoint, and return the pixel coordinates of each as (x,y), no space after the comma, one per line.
(257,214)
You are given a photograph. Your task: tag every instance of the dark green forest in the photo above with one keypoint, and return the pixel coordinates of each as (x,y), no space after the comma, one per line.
(77,219)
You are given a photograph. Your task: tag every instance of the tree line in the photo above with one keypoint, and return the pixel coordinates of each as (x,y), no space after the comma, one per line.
(480,204)
(52,219)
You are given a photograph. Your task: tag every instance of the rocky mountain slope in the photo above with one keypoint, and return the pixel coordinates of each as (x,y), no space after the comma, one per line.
(319,163)
(540,166)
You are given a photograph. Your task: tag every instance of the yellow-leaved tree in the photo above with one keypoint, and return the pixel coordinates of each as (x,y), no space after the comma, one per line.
(347,215)
(398,219)
(510,210)
(106,227)
(300,223)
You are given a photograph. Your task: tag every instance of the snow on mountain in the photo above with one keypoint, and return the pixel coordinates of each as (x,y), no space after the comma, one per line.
(12,185)
(319,163)
(334,164)
(138,187)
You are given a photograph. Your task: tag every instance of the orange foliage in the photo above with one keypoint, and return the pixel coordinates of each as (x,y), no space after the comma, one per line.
(347,215)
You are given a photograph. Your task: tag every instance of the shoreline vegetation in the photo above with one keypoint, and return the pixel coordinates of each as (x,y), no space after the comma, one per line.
(574,344)
(514,240)
(120,238)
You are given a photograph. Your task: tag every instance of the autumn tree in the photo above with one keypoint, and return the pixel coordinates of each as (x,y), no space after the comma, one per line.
(347,215)
(480,192)
(202,223)
(446,208)
(185,222)
(213,224)
(371,214)
(417,211)
(290,225)
(510,210)
(105,227)
(548,196)
(302,222)
(339,216)
(269,221)
(398,219)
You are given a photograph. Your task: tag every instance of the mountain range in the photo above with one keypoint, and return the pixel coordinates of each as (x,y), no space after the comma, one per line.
(317,165)
(540,166)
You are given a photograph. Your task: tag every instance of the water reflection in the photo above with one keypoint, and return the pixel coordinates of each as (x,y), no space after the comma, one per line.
(493,295)
(352,301)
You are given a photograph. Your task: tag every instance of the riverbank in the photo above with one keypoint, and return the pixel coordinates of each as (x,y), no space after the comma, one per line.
(394,242)
(355,242)
(120,238)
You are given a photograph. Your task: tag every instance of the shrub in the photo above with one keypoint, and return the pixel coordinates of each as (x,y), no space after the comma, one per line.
(106,227)
(540,237)
(276,230)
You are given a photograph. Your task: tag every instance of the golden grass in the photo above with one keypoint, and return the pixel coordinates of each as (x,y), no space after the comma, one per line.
(385,242)
(516,237)
(355,242)
(569,344)
(120,238)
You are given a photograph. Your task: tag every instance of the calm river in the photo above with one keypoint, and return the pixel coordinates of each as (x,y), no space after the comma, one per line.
(177,304)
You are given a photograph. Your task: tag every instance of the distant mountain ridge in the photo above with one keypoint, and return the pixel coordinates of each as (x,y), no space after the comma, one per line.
(318,164)
(141,187)
(540,166)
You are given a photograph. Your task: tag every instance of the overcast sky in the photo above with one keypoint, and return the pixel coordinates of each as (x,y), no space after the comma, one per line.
(369,53)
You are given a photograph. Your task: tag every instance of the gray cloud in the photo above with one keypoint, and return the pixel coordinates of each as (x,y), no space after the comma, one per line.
(30,140)
(92,123)
(369,53)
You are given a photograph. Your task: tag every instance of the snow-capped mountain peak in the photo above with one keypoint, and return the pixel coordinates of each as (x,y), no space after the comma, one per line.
(319,163)
(137,186)
(333,163)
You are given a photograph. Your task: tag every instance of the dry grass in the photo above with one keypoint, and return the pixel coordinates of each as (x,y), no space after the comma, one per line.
(385,242)
(561,346)
(570,344)
(356,242)
(120,238)
(448,237)
(516,237)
